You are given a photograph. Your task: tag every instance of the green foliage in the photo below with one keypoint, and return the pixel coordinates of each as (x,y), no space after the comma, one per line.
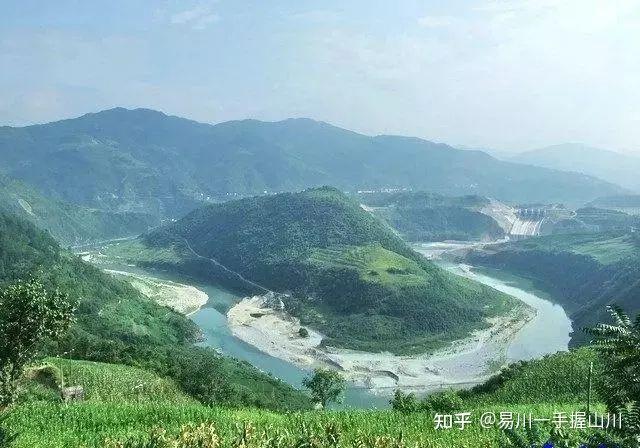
(149,162)
(443,402)
(69,224)
(323,249)
(29,314)
(557,378)
(591,219)
(583,272)
(620,345)
(446,402)
(117,383)
(49,425)
(190,436)
(325,386)
(6,437)
(405,403)
(116,324)
(421,216)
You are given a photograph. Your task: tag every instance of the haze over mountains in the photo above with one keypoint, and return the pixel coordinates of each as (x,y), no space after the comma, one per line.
(614,167)
(145,161)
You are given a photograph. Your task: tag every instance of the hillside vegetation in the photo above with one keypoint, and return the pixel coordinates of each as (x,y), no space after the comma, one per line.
(424,216)
(115,323)
(583,272)
(69,224)
(346,273)
(531,387)
(592,219)
(145,161)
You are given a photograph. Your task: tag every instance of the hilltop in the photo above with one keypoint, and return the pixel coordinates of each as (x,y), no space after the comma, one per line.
(422,216)
(345,273)
(148,162)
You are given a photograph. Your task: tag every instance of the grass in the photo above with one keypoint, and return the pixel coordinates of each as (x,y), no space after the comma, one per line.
(89,424)
(557,378)
(604,248)
(556,383)
(135,251)
(374,263)
(102,383)
(118,383)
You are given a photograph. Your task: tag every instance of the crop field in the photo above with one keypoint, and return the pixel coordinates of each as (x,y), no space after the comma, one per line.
(117,409)
(116,383)
(90,424)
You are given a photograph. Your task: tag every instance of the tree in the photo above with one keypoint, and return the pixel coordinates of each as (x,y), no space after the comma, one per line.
(620,389)
(28,315)
(325,386)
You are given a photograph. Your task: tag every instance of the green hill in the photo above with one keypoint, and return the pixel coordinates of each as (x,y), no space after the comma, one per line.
(145,161)
(592,219)
(583,272)
(101,382)
(345,272)
(69,224)
(421,216)
(115,323)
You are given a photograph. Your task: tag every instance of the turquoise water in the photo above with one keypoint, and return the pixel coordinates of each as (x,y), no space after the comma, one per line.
(212,321)
(547,333)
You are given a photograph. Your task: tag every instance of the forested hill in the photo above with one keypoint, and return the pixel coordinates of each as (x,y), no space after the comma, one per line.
(347,273)
(69,224)
(145,161)
(272,229)
(422,216)
(583,272)
(115,323)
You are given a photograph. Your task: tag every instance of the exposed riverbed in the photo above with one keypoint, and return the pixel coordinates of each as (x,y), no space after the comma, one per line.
(272,344)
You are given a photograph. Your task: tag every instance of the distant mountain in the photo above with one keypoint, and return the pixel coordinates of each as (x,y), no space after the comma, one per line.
(346,273)
(624,202)
(145,161)
(69,224)
(611,166)
(421,216)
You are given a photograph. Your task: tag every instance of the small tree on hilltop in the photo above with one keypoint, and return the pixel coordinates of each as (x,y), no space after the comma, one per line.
(28,315)
(325,386)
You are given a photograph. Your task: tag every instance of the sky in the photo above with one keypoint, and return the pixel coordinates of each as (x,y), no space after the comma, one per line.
(503,74)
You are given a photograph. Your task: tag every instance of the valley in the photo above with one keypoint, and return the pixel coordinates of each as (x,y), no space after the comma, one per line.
(255,329)
(338,224)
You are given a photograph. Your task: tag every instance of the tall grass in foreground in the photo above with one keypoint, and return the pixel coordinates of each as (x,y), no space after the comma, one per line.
(90,424)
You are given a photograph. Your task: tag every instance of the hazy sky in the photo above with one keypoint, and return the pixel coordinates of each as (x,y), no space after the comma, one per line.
(510,74)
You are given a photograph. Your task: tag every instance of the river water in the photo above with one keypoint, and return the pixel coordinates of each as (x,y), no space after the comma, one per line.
(547,333)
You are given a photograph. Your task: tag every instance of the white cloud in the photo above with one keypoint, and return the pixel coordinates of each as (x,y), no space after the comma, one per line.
(197,18)
(436,21)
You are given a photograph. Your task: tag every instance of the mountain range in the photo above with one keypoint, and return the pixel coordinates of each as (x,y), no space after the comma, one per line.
(614,167)
(147,162)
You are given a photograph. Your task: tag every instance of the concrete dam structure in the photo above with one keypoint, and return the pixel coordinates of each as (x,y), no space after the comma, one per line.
(528,222)
(516,222)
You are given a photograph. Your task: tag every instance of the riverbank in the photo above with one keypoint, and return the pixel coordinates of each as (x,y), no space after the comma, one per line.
(184,299)
(463,363)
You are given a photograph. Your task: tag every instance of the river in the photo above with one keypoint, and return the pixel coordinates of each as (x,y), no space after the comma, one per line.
(547,333)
